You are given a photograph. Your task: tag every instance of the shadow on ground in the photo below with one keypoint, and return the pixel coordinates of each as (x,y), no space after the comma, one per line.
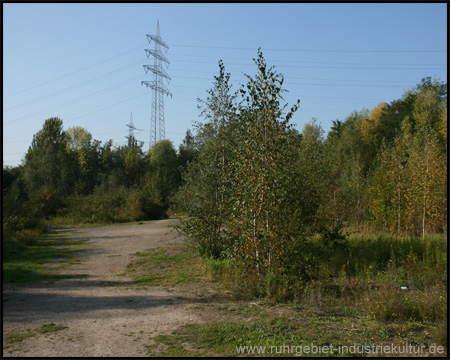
(20,307)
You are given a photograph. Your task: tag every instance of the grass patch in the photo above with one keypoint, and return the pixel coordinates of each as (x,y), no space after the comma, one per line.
(28,257)
(17,337)
(373,290)
(166,266)
(269,333)
(50,328)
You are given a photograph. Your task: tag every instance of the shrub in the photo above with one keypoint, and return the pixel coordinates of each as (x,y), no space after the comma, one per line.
(217,269)
(389,302)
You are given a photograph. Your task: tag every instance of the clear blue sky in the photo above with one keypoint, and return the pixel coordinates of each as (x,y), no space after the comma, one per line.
(83,62)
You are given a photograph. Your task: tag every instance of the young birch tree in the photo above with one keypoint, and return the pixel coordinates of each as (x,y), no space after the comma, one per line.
(258,172)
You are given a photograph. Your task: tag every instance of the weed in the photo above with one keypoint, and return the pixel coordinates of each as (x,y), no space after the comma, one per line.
(16,337)
(29,262)
(166,266)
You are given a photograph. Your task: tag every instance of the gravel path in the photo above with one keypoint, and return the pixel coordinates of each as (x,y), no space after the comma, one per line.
(101,320)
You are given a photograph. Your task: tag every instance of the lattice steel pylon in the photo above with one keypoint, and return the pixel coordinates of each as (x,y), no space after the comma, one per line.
(132,141)
(130,136)
(157,124)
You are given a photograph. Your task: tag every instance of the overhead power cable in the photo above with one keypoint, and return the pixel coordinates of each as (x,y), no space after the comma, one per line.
(86,114)
(89,96)
(314,50)
(308,62)
(72,73)
(321,67)
(73,86)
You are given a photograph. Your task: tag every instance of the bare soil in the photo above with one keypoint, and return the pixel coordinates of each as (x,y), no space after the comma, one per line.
(104,316)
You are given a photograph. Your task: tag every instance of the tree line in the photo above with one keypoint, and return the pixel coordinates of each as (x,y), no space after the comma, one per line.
(259,192)
(254,188)
(68,175)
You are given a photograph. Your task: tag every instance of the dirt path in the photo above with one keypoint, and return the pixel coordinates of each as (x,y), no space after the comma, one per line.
(101,320)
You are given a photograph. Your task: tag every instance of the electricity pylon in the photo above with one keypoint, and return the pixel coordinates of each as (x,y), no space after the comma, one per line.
(131,139)
(157,124)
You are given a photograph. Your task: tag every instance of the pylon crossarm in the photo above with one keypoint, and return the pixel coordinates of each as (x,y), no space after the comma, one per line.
(161,87)
(157,54)
(157,70)
(157,39)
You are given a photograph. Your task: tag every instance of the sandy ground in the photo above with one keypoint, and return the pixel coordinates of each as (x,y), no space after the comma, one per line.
(102,320)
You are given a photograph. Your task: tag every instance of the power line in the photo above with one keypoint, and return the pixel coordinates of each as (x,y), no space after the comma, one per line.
(73,86)
(308,62)
(302,78)
(320,67)
(196,78)
(247,64)
(72,73)
(77,52)
(89,96)
(298,24)
(291,83)
(80,116)
(314,50)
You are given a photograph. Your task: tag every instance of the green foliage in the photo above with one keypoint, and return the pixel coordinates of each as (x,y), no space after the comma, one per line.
(17,337)
(216,268)
(277,332)
(163,162)
(267,207)
(25,253)
(69,176)
(165,266)
(347,167)
(150,199)
(273,203)
(116,204)
(205,193)
(259,174)
(188,150)
(47,162)
(408,190)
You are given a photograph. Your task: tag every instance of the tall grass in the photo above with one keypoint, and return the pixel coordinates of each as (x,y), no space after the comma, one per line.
(388,278)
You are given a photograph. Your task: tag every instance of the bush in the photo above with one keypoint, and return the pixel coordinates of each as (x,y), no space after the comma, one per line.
(151,200)
(15,243)
(318,256)
(43,203)
(215,268)
(117,204)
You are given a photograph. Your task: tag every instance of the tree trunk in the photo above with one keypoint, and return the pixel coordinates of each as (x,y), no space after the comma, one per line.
(424,201)
(255,242)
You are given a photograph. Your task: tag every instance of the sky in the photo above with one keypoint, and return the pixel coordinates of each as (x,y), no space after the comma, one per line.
(83,62)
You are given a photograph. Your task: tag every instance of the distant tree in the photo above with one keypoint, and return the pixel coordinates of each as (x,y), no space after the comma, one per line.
(14,196)
(47,162)
(372,136)
(86,153)
(346,154)
(10,174)
(163,162)
(427,110)
(390,187)
(427,166)
(134,163)
(188,150)
(311,182)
